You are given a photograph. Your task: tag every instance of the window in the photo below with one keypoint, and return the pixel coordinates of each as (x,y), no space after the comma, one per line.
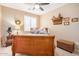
(29,22)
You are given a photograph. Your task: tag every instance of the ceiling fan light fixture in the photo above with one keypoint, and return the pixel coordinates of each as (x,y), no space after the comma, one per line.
(37,6)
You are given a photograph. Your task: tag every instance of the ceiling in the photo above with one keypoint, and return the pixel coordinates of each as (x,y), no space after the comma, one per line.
(28,7)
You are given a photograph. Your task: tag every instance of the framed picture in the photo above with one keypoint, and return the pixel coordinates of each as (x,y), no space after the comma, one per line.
(66,23)
(66,19)
(74,20)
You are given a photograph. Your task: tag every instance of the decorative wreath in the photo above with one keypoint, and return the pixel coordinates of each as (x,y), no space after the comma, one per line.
(18,22)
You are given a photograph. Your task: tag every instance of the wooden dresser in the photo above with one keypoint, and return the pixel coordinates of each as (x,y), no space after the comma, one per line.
(37,45)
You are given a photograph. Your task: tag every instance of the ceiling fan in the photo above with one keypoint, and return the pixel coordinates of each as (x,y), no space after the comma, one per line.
(39,6)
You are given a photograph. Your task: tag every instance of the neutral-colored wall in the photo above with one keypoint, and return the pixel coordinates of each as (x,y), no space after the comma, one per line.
(70,32)
(0,23)
(8,19)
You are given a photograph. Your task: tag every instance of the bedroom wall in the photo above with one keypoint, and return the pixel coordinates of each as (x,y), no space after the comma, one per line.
(8,19)
(0,23)
(70,32)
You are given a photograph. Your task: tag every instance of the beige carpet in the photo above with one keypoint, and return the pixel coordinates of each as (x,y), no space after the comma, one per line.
(6,51)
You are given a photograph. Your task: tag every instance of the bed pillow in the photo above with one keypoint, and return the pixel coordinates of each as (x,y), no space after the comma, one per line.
(39,31)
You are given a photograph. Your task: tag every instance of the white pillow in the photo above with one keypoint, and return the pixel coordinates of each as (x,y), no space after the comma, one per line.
(39,31)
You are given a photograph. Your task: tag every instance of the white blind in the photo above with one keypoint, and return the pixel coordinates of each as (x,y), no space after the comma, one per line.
(29,22)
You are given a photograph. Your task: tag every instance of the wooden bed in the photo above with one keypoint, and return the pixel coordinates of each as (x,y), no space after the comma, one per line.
(34,44)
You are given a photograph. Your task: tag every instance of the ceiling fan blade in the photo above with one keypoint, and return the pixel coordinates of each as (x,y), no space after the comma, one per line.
(43,3)
(41,9)
(33,8)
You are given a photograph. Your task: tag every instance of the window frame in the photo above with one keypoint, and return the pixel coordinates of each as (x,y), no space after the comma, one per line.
(30,18)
